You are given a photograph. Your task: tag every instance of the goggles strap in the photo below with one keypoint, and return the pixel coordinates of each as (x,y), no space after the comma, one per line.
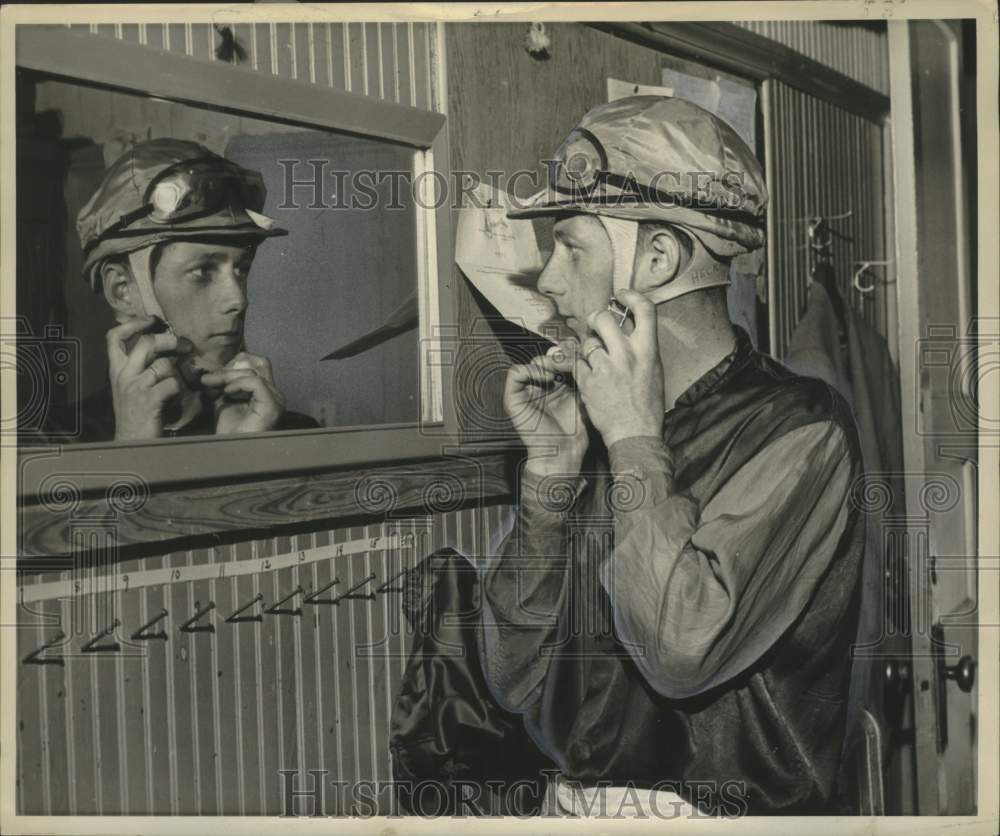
(139,262)
(624,235)
(694,276)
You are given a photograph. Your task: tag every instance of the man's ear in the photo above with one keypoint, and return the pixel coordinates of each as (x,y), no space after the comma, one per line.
(121,292)
(659,260)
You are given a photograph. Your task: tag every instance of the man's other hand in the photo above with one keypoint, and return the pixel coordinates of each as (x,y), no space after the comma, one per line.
(620,376)
(246,399)
(143,377)
(544,408)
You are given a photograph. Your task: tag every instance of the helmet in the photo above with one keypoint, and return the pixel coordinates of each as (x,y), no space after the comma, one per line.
(658,158)
(167,189)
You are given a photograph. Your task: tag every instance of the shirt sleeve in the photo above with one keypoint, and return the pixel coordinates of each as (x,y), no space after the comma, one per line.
(523,588)
(698,598)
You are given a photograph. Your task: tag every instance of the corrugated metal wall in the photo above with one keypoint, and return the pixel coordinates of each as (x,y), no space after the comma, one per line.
(859,50)
(202,722)
(392,61)
(829,162)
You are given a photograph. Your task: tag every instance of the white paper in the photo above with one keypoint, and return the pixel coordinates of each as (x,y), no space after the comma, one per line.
(500,256)
(735,103)
(618,89)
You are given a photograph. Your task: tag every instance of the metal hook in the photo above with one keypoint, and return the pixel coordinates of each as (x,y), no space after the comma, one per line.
(862,268)
(814,218)
(93,647)
(386,588)
(275,608)
(313,597)
(190,626)
(236,618)
(352,594)
(32,658)
(141,635)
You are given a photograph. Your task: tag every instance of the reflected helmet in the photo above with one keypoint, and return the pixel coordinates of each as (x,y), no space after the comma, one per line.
(169,189)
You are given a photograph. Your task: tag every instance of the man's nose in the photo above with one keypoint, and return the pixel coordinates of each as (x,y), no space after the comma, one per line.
(234,297)
(548,280)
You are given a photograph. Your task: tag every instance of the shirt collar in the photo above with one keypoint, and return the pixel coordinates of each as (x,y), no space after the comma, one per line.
(729,365)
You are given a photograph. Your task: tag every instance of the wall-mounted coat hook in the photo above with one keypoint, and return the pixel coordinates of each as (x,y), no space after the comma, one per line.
(192,626)
(863,267)
(92,646)
(33,657)
(275,609)
(236,618)
(351,593)
(313,597)
(142,633)
(821,232)
(386,588)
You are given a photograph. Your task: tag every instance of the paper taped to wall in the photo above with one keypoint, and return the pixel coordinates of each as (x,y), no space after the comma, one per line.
(500,257)
(618,89)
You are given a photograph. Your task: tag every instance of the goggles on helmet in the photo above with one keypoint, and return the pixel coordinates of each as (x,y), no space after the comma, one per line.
(191,189)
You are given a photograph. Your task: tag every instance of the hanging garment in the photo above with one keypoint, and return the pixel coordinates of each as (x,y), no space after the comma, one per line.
(454,750)
(833,343)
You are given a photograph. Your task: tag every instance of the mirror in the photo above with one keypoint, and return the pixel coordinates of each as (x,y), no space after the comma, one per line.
(343,281)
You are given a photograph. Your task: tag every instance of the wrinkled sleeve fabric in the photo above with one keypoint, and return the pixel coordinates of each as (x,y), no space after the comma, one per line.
(699,597)
(523,588)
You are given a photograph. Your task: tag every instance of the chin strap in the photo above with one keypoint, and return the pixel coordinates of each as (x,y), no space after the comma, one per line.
(624,237)
(139,263)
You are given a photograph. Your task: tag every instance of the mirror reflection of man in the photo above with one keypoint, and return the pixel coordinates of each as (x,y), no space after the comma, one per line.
(169,240)
(705,648)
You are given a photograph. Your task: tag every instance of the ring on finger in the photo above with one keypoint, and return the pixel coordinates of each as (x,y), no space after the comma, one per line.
(587,356)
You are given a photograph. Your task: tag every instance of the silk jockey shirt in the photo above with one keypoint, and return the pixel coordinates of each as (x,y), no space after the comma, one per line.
(689,618)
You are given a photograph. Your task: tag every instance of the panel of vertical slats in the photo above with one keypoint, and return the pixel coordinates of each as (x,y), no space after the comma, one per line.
(829,162)
(858,50)
(203,723)
(391,61)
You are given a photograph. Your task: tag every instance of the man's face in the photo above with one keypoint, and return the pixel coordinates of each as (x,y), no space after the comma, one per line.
(202,288)
(579,275)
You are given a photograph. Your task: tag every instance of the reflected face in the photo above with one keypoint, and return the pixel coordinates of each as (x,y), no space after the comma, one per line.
(579,275)
(202,288)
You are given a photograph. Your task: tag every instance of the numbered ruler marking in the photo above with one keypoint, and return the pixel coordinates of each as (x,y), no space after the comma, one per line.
(125,581)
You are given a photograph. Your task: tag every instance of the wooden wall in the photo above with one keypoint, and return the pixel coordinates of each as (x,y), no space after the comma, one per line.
(509,111)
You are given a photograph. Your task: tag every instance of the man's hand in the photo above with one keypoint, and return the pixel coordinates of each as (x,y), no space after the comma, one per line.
(246,400)
(620,375)
(544,408)
(144,378)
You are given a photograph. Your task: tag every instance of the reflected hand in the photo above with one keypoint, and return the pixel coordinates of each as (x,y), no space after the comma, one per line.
(544,407)
(143,378)
(245,397)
